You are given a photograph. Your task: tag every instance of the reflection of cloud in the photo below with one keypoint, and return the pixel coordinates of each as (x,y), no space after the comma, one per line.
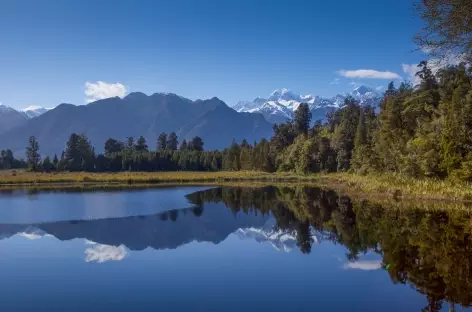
(102,253)
(365,265)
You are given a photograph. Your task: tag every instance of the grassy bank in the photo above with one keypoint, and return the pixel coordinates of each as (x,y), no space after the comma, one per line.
(398,186)
(385,185)
(33,178)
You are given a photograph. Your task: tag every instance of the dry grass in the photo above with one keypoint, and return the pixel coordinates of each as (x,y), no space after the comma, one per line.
(399,186)
(383,185)
(11,177)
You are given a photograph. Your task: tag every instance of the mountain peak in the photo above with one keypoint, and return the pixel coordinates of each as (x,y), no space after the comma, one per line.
(281,105)
(283,94)
(362,89)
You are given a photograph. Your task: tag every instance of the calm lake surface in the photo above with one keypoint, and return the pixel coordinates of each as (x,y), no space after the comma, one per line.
(229,249)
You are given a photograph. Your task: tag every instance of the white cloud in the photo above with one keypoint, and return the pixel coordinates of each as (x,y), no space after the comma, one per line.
(380,88)
(102,253)
(434,64)
(364,265)
(368,73)
(411,70)
(335,81)
(102,90)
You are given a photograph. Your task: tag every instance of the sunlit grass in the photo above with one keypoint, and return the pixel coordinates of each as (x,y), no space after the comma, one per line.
(25,177)
(400,186)
(387,185)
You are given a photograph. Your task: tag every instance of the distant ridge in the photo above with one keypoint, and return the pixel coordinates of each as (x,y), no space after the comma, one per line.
(135,115)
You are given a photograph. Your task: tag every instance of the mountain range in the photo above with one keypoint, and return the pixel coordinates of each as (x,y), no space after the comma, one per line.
(134,115)
(139,114)
(281,105)
(11,118)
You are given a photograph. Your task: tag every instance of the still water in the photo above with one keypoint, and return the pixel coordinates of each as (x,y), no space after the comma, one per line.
(230,249)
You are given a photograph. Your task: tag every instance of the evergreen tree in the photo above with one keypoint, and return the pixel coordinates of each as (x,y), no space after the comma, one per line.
(129,146)
(183,146)
(196,144)
(302,119)
(162,142)
(6,159)
(47,165)
(55,161)
(72,156)
(32,154)
(113,146)
(141,145)
(172,141)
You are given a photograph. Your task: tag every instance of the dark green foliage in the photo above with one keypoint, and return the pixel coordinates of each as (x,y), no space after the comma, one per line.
(196,144)
(79,154)
(8,161)
(48,165)
(113,146)
(162,142)
(183,146)
(172,142)
(33,157)
(302,119)
(141,145)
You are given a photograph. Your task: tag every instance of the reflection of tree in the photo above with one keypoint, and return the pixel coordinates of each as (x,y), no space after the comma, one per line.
(430,249)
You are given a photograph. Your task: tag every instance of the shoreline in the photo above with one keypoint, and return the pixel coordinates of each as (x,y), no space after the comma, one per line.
(391,186)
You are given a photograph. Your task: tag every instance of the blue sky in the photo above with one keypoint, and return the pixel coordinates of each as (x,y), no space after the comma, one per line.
(235,50)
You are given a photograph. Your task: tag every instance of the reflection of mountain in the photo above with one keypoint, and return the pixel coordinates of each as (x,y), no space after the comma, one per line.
(282,240)
(161,231)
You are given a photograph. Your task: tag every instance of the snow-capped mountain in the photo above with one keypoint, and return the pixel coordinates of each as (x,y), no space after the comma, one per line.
(11,118)
(281,105)
(33,111)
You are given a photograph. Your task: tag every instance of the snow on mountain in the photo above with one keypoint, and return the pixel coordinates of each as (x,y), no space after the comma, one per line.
(33,111)
(280,240)
(281,105)
(28,112)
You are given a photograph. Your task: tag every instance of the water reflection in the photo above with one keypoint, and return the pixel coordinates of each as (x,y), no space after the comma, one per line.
(430,250)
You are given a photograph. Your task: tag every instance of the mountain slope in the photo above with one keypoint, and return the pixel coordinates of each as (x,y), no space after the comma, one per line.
(138,114)
(10,118)
(281,105)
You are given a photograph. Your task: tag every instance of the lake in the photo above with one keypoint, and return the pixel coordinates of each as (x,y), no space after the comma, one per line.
(230,249)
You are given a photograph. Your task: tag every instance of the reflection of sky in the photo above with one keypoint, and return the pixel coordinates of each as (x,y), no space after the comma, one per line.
(49,207)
